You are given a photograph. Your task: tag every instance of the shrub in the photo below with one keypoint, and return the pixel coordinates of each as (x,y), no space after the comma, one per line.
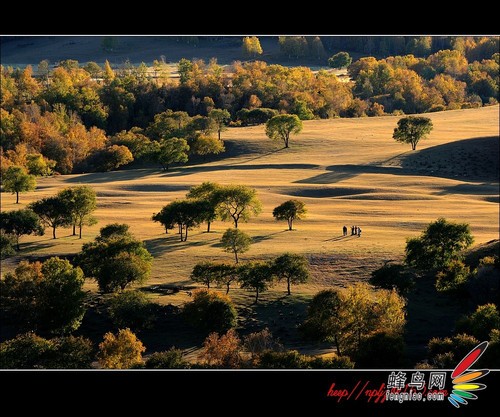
(132,309)
(120,351)
(480,323)
(445,353)
(259,342)
(393,276)
(380,350)
(170,359)
(222,351)
(453,278)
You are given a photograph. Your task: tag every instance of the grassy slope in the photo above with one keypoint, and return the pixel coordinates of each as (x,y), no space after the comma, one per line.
(348,171)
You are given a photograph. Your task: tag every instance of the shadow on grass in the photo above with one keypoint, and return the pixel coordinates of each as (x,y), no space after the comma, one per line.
(171,243)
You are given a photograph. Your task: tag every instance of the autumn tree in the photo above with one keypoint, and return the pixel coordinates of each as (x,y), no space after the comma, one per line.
(210,311)
(441,242)
(19,223)
(47,296)
(235,241)
(280,127)
(173,150)
(220,117)
(340,60)
(81,203)
(120,351)
(223,351)
(290,210)
(291,267)
(110,158)
(115,259)
(411,129)
(186,214)
(346,317)
(53,212)
(251,46)
(16,180)
(207,145)
(257,276)
(237,202)
(207,191)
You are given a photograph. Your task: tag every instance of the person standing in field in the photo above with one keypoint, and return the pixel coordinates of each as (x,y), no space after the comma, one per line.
(359,231)
(352,230)
(344,230)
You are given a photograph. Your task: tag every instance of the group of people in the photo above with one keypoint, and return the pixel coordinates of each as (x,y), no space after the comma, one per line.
(355,230)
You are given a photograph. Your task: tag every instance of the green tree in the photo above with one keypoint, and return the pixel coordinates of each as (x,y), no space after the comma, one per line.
(291,267)
(81,202)
(170,359)
(237,202)
(481,322)
(392,276)
(93,69)
(115,260)
(210,311)
(38,165)
(257,276)
(132,309)
(453,277)
(53,212)
(121,351)
(19,223)
(172,150)
(441,242)
(207,191)
(220,117)
(110,158)
(205,273)
(290,210)
(46,296)
(6,246)
(411,129)
(207,145)
(235,241)
(16,180)
(447,352)
(340,60)
(185,213)
(282,126)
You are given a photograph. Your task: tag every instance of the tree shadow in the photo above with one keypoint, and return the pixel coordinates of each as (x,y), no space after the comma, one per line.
(261,238)
(171,243)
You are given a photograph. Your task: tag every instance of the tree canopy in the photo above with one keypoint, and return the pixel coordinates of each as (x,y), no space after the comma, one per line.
(16,180)
(282,126)
(237,202)
(290,210)
(411,129)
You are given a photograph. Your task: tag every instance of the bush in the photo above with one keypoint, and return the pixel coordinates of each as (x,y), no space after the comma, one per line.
(291,359)
(170,359)
(132,309)
(480,323)
(7,244)
(453,278)
(259,342)
(484,284)
(335,362)
(222,351)
(447,352)
(210,311)
(380,350)
(393,276)
(120,351)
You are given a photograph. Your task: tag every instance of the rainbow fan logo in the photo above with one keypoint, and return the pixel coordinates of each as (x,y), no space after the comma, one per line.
(464,379)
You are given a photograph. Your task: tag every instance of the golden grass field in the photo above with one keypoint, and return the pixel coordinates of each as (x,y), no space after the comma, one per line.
(347,171)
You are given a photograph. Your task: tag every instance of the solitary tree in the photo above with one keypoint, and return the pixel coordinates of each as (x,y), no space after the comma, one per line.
(282,126)
(411,129)
(236,241)
(251,46)
(207,192)
(439,244)
(19,223)
(120,351)
(16,180)
(257,276)
(53,212)
(171,151)
(291,267)
(115,260)
(81,202)
(220,118)
(340,60)
(290,210)
(237,202)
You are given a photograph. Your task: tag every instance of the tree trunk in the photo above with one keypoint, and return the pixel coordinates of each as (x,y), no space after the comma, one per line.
(236,256)
(180,231)
(288,285)
(286,141)
(208,284)
(74,229)
(208,227)
(256,295)
(219,134)
(337,345)
(290,224)
(186,235)
(17,197)
(227,288)
(235,222)
(166,230)
(80,234)
(53,232)
(17,243)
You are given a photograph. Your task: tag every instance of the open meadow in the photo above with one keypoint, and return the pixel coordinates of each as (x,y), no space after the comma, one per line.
(347,171)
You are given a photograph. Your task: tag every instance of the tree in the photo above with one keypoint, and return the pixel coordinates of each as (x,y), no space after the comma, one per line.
(222,351)
(110,158)
(235,241)
(53,212)
(207,192)
(453,278)
(220,117)
(291,267)
(115,259)
(257,276)
(81,202)
(185,213)
(238,202)
(210,311)
(205,273)
(39,165)
(16,180)
(411,129)
(347,317)
(19,223)
(251,46)
(441,242)
(394,276)
(481,322)
(46,296)
(447,352)
(172,150)
(170,359)
(340,60)
(259,342)
(120,351)
(132,309)
(206,145)
(282,126)
(290,210)
(6,246)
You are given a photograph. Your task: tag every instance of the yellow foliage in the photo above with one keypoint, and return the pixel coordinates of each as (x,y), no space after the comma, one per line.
(120,351)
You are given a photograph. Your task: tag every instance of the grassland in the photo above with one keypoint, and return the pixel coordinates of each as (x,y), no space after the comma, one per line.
(347,171)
